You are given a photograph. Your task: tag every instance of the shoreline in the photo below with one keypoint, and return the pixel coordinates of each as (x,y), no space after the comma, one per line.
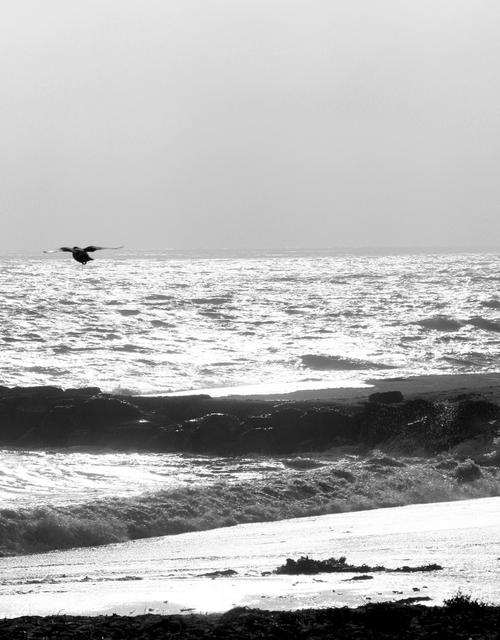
(411,386)
(432,384)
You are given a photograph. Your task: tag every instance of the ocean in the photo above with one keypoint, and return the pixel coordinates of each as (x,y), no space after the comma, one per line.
(162,322)
(166,322)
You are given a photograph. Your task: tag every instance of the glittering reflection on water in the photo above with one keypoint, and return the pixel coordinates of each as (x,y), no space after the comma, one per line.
(160,322)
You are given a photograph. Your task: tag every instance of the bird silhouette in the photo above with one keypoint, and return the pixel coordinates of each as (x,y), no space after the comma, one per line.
(79,254)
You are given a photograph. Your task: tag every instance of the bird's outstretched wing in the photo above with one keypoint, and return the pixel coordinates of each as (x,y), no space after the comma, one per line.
(92,247)
(60,249)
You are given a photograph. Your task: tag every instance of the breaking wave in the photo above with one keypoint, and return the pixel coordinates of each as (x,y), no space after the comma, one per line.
(308,491)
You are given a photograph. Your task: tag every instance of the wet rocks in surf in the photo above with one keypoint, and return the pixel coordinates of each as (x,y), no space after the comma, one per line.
(49,417)
(99,411)
(215,432)
(386,397)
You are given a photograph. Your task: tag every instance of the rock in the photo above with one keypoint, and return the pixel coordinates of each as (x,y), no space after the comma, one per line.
(326,427)
(474,416)
(56,426)
(317,428)
(102,411)
(411,421)
(20,414)
(16,422)
(165,440)
(292,429)
(82,438)
(380,422)
(285,418)
(467,471)
(257,440)
(386,397)
(213,433)
(82,392)
(134,435)
(175,409)
(226,573)
(461,421)
(42,391)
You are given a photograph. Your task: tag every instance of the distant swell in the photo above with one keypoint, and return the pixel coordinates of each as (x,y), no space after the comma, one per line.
(486,325)
(212,300)
(494,303)
(338,363)
(129,312)
(440,323)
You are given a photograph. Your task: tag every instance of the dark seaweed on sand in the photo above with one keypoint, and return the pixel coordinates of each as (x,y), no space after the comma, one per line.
(306,565)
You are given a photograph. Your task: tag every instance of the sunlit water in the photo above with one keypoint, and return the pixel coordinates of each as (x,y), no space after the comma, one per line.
(162,322)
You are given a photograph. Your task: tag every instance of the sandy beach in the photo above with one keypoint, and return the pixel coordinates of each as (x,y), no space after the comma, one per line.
(186,573)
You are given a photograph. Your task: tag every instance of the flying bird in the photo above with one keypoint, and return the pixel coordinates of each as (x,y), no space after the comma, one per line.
(79,254)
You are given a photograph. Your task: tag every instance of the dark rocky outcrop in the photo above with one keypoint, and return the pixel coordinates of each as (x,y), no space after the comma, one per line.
(51,417)
(386,397)
(100,411)
(212,433)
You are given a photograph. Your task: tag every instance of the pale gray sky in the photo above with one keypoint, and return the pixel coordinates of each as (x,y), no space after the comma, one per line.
(249,123)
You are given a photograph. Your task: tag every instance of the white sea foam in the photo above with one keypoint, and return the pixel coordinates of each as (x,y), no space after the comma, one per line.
(72,476)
